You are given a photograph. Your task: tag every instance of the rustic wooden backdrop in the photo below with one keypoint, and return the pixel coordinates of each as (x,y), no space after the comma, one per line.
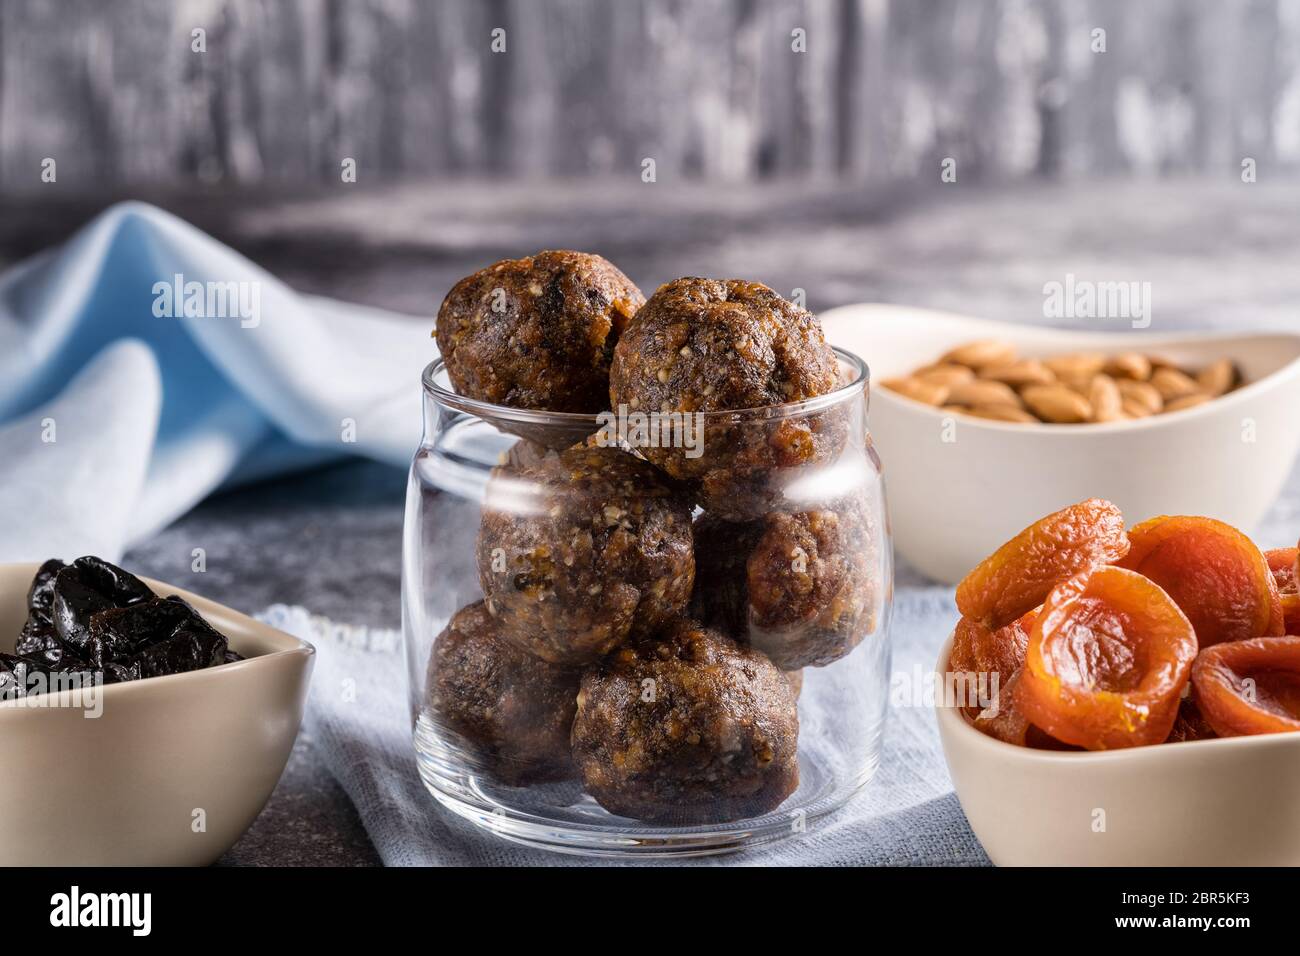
(710,89)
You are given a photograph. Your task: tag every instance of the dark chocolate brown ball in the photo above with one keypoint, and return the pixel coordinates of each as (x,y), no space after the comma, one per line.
(537,332)
(514,711)
(687,727)
(581,550)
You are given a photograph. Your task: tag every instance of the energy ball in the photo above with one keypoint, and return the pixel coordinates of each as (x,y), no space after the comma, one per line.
(581,550)
(537,332)
(513,709)
(708,345)
(687,727)
(803,588)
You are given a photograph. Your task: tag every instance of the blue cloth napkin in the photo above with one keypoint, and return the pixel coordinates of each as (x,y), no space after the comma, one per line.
(144,365)
(906,816)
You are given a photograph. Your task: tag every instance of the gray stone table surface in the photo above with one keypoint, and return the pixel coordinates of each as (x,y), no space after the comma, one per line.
(1215,252)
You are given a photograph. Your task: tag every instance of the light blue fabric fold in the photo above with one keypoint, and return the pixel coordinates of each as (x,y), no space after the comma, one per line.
(115,419)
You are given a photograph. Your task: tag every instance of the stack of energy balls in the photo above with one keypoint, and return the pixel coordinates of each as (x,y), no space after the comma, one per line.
(623,640)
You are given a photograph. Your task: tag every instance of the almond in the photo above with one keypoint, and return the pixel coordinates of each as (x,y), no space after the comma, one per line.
(1218,378)
(1057,403)
(1136,409)
(1142,394)
(1172,384)
(1002,413)
(917,390)
(1104,397)
(1019,373)
(1131,365)
(944,374)
(1188,401)
(980,392)
(1076,365)
(981,353)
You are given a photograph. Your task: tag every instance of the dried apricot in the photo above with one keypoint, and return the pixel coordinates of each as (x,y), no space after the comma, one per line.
(1282,562)
(1213,572)
(977,649)
(1017,576)
(1004,721)
(1249,687)
(1007,722)
(1107,660)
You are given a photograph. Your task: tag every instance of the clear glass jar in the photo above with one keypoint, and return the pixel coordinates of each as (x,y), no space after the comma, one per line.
(598,664)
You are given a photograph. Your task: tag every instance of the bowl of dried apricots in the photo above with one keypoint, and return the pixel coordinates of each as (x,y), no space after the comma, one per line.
(983,426)
(1125,697)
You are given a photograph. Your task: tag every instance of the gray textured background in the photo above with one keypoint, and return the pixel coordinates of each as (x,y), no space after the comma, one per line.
(709,88)
(818,171)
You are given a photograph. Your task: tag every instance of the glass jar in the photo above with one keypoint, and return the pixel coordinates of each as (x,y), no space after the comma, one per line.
(604,659)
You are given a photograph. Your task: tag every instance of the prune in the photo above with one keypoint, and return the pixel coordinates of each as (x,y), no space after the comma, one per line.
(1282,562)
(1017,577)
(687,727)
(1107,661)
(153,638)
(1213,572)
(40,597)
(582,550)
(86,587)
(513,710)
(537,332)
(41,645)
(704,345)
(1250,686)
(803,588)
(92,617)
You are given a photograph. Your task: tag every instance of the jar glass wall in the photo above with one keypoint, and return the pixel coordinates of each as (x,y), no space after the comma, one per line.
(603,659)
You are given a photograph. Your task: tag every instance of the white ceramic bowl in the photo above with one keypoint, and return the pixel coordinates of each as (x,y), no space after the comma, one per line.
(1226,802)
(960,486)
(131,787)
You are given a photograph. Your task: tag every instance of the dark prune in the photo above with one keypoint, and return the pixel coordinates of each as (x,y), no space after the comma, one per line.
(191,648)
(92,618)
(86,587)
(121,632)
(40,644)
(40,597)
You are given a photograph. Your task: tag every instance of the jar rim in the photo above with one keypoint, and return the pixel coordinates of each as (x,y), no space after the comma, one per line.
(488,410)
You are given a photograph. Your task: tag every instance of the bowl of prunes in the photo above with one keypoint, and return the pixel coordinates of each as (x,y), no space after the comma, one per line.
(646,575)
(144,725)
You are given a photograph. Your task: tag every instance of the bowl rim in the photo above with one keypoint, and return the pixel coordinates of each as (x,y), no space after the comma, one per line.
(1241,394)
(951,719)
(490,411)
(292,647)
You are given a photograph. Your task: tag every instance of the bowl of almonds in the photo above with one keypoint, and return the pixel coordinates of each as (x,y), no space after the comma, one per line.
(983,425)
(990,379)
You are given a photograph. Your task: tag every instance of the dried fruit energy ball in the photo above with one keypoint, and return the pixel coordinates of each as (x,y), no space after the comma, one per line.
(707,345)
(513,709)
(581,550)
(685,728)
(537,332)
(803,588)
